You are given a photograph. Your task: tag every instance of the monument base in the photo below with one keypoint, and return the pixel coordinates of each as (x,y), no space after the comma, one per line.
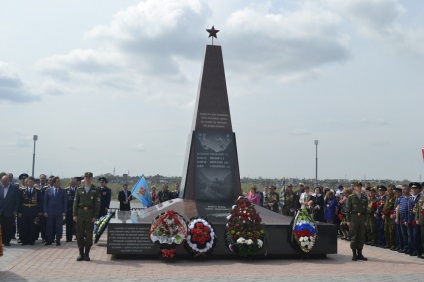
(128,232)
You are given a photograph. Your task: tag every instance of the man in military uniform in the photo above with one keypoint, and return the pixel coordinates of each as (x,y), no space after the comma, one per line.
(388,210)
(105,196)
(70,223)
(86,211)
(419,217)
(372,207)
(379,223)
(414,230)
(30,209)
(272,199)
(42,225)
(290,201)
(356,209)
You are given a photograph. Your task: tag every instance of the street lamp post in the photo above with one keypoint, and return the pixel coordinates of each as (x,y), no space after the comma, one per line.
(35,137)
(316,162)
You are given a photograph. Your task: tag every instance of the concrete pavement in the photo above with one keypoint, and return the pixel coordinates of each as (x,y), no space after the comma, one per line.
(58,263)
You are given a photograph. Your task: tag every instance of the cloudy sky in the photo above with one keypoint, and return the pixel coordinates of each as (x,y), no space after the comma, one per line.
(112,84)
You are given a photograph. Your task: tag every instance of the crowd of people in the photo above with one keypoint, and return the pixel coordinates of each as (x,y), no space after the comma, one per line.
(393,216)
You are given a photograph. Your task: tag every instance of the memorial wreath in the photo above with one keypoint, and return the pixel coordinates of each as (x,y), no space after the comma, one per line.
(304,230)
(169,230)
(201,238)
(244,230)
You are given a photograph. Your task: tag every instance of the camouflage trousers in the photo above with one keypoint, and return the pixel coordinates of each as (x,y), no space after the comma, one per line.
(389,231)
(371,229)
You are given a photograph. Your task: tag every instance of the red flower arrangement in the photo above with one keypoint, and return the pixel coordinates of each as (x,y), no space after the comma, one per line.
(245,232)
(373,205)
(201,237)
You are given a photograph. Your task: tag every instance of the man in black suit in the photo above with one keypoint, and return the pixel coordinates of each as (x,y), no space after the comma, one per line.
(124,198)
(9,204)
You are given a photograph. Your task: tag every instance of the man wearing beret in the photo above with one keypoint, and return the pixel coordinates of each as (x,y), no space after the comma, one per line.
(86,211)
(105,196)
(356,210)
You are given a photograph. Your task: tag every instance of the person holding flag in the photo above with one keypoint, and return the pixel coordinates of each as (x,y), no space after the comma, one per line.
(288,199)
(141,192)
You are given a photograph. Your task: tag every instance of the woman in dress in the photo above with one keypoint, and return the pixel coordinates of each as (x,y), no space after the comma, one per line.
(330,207)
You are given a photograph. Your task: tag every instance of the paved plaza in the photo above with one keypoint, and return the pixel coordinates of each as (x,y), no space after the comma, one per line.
(58,263)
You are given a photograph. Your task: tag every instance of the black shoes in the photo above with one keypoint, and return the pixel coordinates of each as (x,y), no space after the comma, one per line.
(81,254)
(57,243)
(48,243)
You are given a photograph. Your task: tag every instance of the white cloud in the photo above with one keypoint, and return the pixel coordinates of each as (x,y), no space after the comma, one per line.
(141,147)
(11,86)
(381,20)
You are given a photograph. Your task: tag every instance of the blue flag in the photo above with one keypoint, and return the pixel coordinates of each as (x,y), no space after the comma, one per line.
(282,191)
(141,192)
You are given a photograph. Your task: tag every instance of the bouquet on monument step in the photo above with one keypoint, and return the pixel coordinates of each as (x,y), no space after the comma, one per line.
(304,230)
(170,230)
(201,238)
(244,230)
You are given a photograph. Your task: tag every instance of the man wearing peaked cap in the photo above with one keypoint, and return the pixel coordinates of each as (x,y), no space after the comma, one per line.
(414,231)
(85,212)
(105,196)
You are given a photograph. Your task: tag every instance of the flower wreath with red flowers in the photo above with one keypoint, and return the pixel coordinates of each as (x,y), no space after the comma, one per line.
(201,238)
(244,230)
(170,230)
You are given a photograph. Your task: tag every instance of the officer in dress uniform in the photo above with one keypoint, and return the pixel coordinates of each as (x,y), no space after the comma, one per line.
(124,198)
(22,186)
(372,207)
(388,211)
(356,210)
(379,223)
(70,223)
(414,231)
(105,196)
(86,211)
(30,209)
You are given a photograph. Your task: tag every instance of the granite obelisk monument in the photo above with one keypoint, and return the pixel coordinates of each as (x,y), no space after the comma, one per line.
(211,171)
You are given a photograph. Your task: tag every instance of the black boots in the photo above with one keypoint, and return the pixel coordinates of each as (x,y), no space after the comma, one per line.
(360,256)
(355,256)
(87,254)
(81,254)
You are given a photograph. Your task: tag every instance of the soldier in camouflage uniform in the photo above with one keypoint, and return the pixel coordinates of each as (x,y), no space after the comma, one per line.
(356,210)
(86,211)
(419,217)
(290,201)
(272,199)
(388,210)
(372,207)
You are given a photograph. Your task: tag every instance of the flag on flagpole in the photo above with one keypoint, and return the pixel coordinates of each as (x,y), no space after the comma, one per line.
(141,192)
(282,191)
(422,149)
